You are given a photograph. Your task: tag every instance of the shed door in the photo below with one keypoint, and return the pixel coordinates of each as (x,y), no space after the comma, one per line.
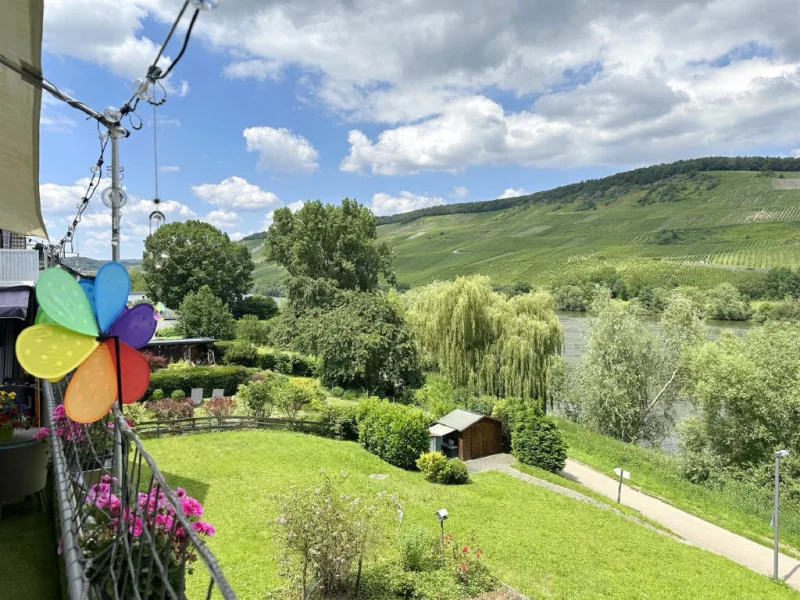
(482,439)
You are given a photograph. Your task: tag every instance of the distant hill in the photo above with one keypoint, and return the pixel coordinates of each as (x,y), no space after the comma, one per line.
(90,265)
(694,222)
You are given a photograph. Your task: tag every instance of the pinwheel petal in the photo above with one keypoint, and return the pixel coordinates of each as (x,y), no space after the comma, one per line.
(112,286)
(135,326)
(64,301)
(93,389)
(88,289)
(135,371)
(51,351)
(42,318)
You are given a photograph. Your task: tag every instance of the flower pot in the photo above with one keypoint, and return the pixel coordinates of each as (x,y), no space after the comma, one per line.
(6,433)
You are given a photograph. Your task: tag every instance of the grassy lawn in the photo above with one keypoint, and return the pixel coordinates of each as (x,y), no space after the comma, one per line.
(546,545)
(657,474)
(29,568)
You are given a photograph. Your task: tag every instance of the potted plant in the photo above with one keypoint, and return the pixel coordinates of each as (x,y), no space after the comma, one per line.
(94,443)
(13,415)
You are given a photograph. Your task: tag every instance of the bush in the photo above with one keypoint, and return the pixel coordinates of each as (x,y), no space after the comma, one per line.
(157,394)
(260,307)
(258,396)
(202,314)
(337,392)
(398,434)
(168,332)
(538,442)
(155,361)
(221,347)
(171,410)
(293,396)
(135,413)
(339,422)
(208,378)
(436,397)
(570,297)
(221,407)
(177,395)
(417,550)
(288,363)
(351,395)
(250,329)
(438,469)
(242,353)
(726,303)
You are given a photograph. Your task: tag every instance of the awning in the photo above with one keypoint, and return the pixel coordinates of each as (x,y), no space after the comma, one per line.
(14,303)
(440,430)
(21,43)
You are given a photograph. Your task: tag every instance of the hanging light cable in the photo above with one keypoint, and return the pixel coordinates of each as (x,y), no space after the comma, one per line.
(156,217)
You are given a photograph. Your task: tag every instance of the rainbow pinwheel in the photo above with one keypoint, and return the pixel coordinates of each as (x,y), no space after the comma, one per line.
(78,326)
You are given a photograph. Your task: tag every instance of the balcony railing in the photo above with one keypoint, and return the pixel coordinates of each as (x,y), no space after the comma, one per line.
(19,266)
(114,547)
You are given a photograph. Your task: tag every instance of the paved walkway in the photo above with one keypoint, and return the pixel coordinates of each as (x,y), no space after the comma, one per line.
(693,529)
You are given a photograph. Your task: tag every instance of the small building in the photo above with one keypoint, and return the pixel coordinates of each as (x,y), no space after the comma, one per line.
(466,435)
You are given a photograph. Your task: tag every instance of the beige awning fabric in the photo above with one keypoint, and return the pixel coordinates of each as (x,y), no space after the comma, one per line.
(21,42)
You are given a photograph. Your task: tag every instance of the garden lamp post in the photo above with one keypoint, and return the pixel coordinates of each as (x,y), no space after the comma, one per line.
(778,456)
(441,516)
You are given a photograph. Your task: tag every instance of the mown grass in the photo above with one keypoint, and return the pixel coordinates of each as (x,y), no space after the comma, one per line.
(539,542)
(738,508)
(742,223)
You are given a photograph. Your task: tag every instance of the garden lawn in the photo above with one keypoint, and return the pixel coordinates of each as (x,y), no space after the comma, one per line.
(544,544)
(736,508)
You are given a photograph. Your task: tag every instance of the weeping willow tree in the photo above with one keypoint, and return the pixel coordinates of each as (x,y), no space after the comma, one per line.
(479,338)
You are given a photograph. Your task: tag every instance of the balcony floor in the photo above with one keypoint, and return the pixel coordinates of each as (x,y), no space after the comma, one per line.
(29,565)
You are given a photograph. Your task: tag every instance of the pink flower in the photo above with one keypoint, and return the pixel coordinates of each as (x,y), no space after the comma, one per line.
(136,527)
(204,528)
(180,492)
(164,521)
(42,434)
(191,507)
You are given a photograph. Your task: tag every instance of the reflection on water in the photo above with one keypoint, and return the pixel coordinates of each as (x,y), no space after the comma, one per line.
(576,332)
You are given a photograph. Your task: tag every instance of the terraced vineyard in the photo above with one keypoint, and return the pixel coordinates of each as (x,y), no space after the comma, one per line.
(718,226)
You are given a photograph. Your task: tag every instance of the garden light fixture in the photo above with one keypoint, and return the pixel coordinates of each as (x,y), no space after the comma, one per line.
(778,456)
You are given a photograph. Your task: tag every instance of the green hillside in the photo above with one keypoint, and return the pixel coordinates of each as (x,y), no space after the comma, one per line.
(695,228)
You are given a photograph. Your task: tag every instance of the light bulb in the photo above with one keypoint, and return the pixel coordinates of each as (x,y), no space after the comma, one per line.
(205,4)
(141,89)
(112,114)
(150,256)
(114,243)
(164,255)
(94,169)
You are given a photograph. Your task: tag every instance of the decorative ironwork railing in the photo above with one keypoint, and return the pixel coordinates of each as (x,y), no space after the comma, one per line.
(124,531)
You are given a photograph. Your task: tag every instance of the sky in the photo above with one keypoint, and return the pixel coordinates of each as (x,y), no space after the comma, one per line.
(404,104)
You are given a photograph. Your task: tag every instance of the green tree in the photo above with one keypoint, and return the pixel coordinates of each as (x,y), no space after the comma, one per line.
(202,314)
(327,248)
(182,257)
(725,302)
(262,307)
(628,377)
(137,279)
(477,337)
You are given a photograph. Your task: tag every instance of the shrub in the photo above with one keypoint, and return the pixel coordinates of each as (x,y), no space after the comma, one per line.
(157,394)
(260,307)
(250,329)
(396,433)
(208,378)
(725,302)
(221,407)
(337,392)
(155,361)
(417,550)
(242,353)
(171,410)
(436,397)
(350,395)
(258,396)
(339,422)
(293,396)
(177,395)
(168,332)
(220,348)
(570,297)
(203,314)
(539,443)
(438,469)
(135,413)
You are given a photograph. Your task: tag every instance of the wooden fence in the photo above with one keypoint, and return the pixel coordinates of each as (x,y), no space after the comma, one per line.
(198,424)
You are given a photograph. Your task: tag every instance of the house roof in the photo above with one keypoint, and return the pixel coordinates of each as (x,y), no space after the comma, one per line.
(460,419)
(439,430)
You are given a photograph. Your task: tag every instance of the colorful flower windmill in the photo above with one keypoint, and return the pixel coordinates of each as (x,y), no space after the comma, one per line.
(87,325)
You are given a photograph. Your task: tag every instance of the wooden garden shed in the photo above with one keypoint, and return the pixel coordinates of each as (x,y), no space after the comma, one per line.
(466,435)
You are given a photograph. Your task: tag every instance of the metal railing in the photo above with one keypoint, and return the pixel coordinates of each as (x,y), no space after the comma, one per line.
(19,266)
(125,534)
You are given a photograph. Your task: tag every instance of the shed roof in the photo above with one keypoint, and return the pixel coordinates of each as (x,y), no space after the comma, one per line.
(460,419)
(439,430)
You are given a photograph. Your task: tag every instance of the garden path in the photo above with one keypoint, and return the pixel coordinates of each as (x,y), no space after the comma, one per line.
(692,529)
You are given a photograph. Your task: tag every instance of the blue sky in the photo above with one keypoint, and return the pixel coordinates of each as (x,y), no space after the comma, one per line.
(404,106)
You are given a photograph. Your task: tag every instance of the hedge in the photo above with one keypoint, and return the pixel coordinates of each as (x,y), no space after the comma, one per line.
(208,378)
(281,361)
(396,433)
(539,443)
(339,422)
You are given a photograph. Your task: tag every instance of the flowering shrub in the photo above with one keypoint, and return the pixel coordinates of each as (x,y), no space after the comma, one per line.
(109,519)
(155,361)
(168,409)
(465,561)
(220,407)
(12,413)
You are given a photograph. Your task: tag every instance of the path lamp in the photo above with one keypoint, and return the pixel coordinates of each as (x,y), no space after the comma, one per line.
(441,516)
(778,456)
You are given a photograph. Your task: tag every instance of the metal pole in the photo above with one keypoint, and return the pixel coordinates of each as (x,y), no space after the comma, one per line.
(115,192)
(443,557)
(775,513)
(619,489)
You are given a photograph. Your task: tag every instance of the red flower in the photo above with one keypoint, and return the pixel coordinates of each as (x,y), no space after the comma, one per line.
(465,549)
(462,567)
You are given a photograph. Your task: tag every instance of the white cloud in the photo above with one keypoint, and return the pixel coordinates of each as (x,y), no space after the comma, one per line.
(169,168)
(384,204)
(281,150)
(57,198)
(795,152)
(222,218)
(235,192)
(459,192)
(255,68)
(512,193)
(293,206)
